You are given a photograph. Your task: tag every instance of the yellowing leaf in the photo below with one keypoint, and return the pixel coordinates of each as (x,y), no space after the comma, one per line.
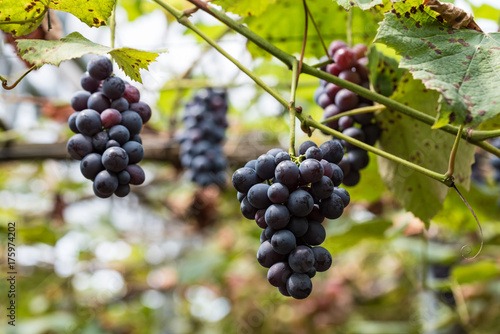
(40,52)
(20,17)
(92,12)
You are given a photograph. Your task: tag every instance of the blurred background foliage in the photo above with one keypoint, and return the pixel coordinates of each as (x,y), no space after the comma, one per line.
(174,258)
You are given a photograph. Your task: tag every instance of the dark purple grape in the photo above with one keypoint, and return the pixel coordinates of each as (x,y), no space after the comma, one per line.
(346,122)
(352,178)
(244,178)
(363,119)
(131,94)
(265,166)
(298,226)
(277,216)
(260,218)
(247,209)
(335,46)
(301,259)
(331,111)
(136,138)
(287,173)
(358,159)
(283,242)
(88,122)
(337,175)
(372,133)
(91,165)
(322,259)
(311,171)
(113,87)
(257,196)
(278,193)
(119,133)
(346,100)
(99,141)
(323,188)
(315,234)
(332,207)
(305,145)
(343,194)
(333,69)
(345,166)
(79,146)
(72,122)
(350,76)
(88,83)
(300,203)
(98,101)
(143,109)
(331,90)
(283,291)
(122,190)
(124,177)
(282,156)
(275,151)
(251,164)
(112,143)
(279,273)
(355,133)
(132,121)
(134,150)
(332,151)
(106,183)
(263,236)
(269,232)
(324,100)
(120,104)
(314,153)
(137,176)
(99,67)
(110,117)
(79,100)
(115,159)
(267,256)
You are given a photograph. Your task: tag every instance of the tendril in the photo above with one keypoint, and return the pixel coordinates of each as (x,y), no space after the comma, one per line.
(467,249)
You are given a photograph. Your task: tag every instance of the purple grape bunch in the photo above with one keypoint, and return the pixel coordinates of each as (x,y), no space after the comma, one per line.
(107,121)
(201,153)
(349,64)
(289,198)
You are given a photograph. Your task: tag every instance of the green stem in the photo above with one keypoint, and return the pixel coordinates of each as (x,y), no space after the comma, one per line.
(182,19)
(291,107)
(112,25)
(311,122)
(352,112)
(5,84)
(453,154)
(483,135)
(323,63)
(349,28)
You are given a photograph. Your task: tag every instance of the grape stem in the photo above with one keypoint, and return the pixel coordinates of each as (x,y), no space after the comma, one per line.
(6,85)
(357,111)
(475,139)
(112,25)
(453,154)
(291,107)
(349,29)
(318,33)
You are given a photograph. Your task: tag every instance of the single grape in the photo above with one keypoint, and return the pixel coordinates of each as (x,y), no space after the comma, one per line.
(335,46)
(124,177)
(131,94)
(112,143)
(279,273)
(332,151)
(134,150)
(314,153)
(120,104)
(99,141)
(119,133)
(331,207)
(247,209)
(298,226)
(143,109)
(91,165)
(282,156)
(115,159)
(132,121)
(358,159)
(72,122)
(283,242)
(79,146)
(352,178)
(98,101)
(257,196)
(337,175)
(122,190)
(311,170)
(277,216)
(99,67)
(275,151)
(79,100)
(137,176)
(305,145)
(106,183)
(322,258)
(265,166)
(287,173)
(350,76)
(110,117)
(113,87)
(244,178)
(346,100)
(345,58)
(301,259)
(323,188)
(278,193)
(343,194)
(300,203)
(260,218)
(88,122)
(267,256)
(315,234)
(88,83)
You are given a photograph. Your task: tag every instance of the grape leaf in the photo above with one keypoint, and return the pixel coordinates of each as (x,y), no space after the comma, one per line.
(418,143)
(40,52)
(26,15)
(363,4)
(245,7)
(92,12)
(460,64)
(385,73)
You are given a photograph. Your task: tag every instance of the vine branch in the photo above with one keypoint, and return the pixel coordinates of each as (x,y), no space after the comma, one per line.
(5,83)
(453,154)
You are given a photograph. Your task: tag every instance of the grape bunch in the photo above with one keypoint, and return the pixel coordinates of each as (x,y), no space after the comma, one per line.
(201,143)
(107,121)
(290,206)
(349,64)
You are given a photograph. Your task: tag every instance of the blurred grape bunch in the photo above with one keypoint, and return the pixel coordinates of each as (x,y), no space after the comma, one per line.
(201,142)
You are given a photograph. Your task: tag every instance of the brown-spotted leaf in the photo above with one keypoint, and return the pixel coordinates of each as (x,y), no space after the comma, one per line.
(463,65)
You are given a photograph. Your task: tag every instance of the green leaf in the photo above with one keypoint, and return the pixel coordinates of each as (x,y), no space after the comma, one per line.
(26,16)
(418,143)
(92,12)
(486,12)
(40,52)
(363,4)
(460,64)
(283,25)
(473,272)
(245,7)
(385,73)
